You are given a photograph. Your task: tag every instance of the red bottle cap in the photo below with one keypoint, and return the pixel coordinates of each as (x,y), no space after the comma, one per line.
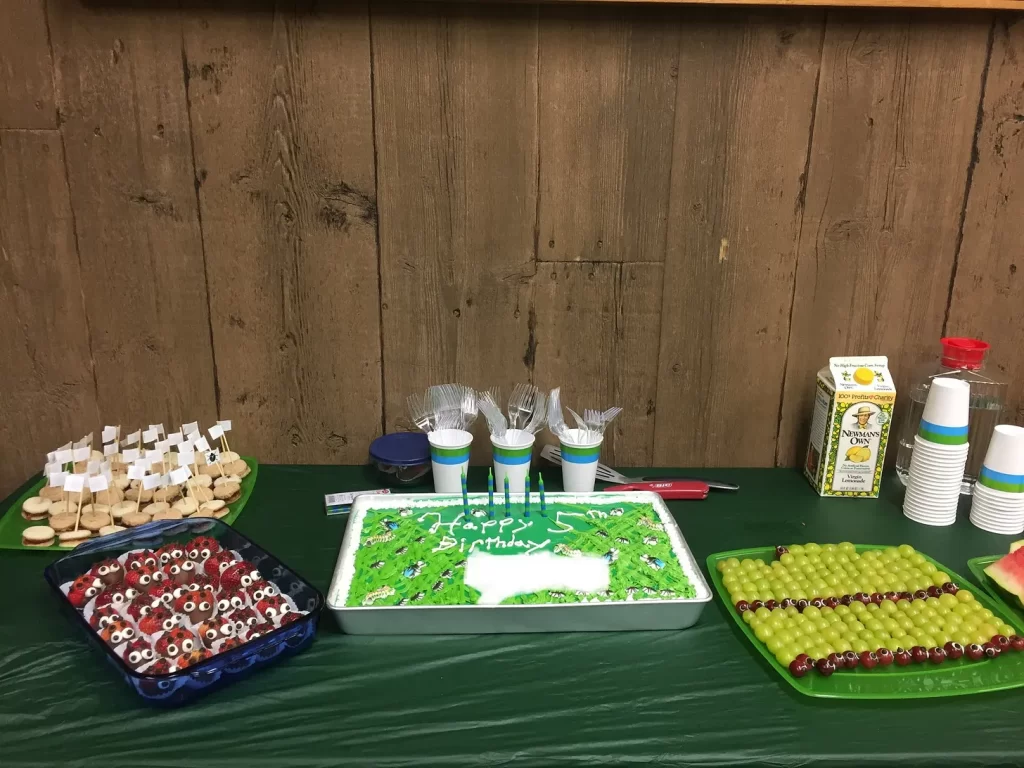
(964,353)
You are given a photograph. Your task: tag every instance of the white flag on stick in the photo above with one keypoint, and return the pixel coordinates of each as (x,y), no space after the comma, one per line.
(202,444)
(216,431)
(180,475)
(83,453)
(109,433)
(150,436)
(57,479)
(225,424)
(186,457)
(65,455)
(149,482)
(98,483)
(130,455)
(110,449)
(175,438)
(74,483)
(135,472)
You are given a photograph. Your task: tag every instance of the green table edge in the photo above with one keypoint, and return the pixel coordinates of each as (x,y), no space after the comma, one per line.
(821,684)
(977,565)
(14,511)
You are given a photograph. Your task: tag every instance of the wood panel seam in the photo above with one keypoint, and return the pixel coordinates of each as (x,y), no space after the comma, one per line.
(199,222)
(376,230)
(971,165)
(543,263)
(802,206)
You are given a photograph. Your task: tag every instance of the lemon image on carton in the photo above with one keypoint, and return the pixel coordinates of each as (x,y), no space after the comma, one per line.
(853,404)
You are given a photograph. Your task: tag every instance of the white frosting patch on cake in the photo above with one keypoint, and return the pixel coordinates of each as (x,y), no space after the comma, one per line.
(499,577)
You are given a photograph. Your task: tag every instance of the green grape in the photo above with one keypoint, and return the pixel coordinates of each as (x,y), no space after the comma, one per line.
(964,638)
(874,625)
(832,581)
(870,640)
(812,548)
(831,635)
(811,612)
(856,626)
(932,602)
(926,640)
(887,607)
(842,610)
(920,620)
(943,637)
(796,549)
(748,617)
(988,630)
(763,632)
(906,623)
(939,578)
(776,623)
(813,638)
(826,611)
(842,558)
(970,627)
(762,585)
(785,635)
(804,584)
(786,559)
(800,559)
(984,613)
(777,587)
(748,586)
(1006,629)
(909,641)
(931,629)
(981,637)
(828,548)
(730,579)
(797,593)
(899,633)
(759,563)
(892,643)
(871,607)
(964,596)
(746,564)
(762,613)
(890,625)
(845,546)
(857,644)
(836,619)
(927,568)
(821,624)
(785,657)
(905,550)
(844,645)
(721,565)
(767,594)
(796,630)
(792,611)
(858,607)
(828,559)
(916,559)
(801,618)
(775,644)
(900,585)
(903,605)
(827,648)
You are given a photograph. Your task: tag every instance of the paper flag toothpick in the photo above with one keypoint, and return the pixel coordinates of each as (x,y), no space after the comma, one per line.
(53,466)
(192,426)
(185,458)
(149,482)
(65,455)
(74,483)
(150,436)
(132,439)
(213,456)
(130,455)
(154,455)
(145,463)
(57,479)
(193,435)
(110,449)
(202,444)
(82,454)
(162,445)
(98,483)
(109,433)
(159,428)
(51,456)
(225,424)
(135,472)
(175,438)
(216,431)
(180,475)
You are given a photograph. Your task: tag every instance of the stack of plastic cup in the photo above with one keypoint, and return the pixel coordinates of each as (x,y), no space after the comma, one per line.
(998,505)
(579,460)
(449,456)
(940,454)
(512,454)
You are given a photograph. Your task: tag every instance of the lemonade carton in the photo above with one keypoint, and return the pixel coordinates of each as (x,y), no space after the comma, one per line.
(853,403)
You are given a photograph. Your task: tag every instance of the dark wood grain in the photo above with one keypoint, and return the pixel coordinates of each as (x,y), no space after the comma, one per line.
(988,291)
(129,162)
(607,102)
(892,141)
(455,100)
(47,391)
(282,126)
(26,69)
(743,117)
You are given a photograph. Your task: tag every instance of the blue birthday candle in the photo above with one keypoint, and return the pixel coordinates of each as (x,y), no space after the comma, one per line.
(490,493)
(465,496)
(508,500)
(543,503)
(526,512)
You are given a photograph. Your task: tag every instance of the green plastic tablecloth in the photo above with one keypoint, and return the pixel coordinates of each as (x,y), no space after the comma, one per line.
(698,697)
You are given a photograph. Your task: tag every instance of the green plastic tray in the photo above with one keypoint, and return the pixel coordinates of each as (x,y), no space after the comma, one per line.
(917,681)
(12,523)
(1009,603)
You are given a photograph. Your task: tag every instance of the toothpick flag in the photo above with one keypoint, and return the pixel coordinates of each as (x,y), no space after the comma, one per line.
(98,483)
(109,433)
(74,483)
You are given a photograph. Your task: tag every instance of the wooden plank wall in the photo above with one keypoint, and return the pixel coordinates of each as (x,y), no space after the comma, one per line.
(295,214)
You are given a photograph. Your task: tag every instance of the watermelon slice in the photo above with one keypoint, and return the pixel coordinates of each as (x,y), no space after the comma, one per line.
(1008,572)
(1016,545)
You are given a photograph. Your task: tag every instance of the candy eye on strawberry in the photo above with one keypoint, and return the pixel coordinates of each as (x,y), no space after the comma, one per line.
(211,634)
(169,624)
(204,553)
(187,645)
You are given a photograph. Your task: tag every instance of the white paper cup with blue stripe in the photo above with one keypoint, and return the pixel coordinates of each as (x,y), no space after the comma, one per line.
(946,412)
(579,462)
(512,456)
(1003,469)
(449,456)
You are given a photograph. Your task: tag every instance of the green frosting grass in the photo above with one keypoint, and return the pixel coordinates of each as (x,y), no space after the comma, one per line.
(396,563)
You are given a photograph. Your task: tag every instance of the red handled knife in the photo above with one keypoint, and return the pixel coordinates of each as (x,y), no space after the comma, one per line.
(671,490)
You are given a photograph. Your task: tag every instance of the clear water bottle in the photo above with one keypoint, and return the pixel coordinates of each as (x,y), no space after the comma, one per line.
(961,359)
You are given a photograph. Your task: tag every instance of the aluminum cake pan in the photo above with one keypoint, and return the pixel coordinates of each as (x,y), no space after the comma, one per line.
(645,614)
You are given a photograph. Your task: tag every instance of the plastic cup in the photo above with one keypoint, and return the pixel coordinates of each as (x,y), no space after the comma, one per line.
(512,460)
(579,463)
(937,523)
(946,411)
(1003,469)
(1009,529)
(449,457)
(937,450)
(998,498)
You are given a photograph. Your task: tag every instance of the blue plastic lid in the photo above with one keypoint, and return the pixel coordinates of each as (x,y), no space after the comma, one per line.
(401,449)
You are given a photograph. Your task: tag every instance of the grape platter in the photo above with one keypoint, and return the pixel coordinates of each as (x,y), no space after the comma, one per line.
(845,610)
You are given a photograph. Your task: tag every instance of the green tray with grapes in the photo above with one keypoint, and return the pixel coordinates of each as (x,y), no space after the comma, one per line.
(1010,603)
(868,621)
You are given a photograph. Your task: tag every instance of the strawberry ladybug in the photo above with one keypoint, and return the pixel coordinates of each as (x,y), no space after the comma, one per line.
(287,618)
(83,589)
(175,642)
(241,574)
(169,553)
(162,593)
(272,608)
(197,606)
(226,644)
(160,667)
(141,607)
(159,619)
(232,601)
(138,653)
(119,597)
(180,571)
(215,564)
(251,633)
(137,560)
(217,629)
(260,589)
(103,616)
(200,548)
(192,658)
(244,618)
(109,572)
(117,632)
(144,577)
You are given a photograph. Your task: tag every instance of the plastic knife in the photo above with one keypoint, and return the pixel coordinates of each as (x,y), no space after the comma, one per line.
(671,490)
